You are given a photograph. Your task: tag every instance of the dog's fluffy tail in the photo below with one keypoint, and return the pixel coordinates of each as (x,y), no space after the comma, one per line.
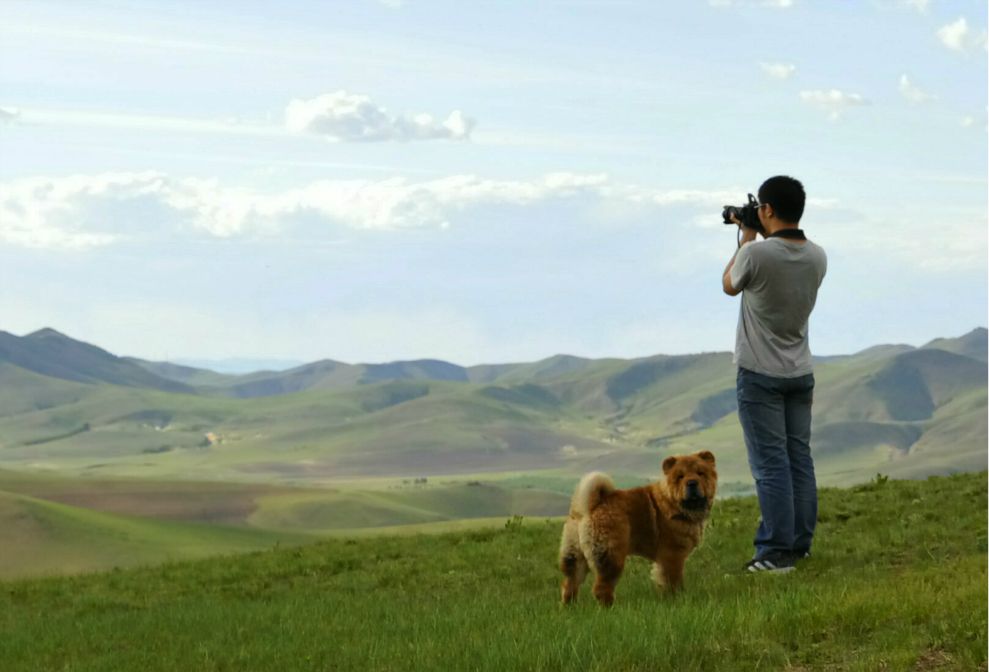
(590,491)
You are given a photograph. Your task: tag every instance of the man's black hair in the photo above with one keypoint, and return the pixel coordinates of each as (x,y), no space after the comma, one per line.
(786,195)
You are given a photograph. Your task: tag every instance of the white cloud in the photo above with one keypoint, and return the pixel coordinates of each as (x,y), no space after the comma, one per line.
(779,70)
(913,94)
(920,5)
(9,115)
(955,35)
(833,100)
(92,210)
(352,117)
(968,121)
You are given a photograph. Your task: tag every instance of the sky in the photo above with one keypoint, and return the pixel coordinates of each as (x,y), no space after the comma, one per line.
(482,182)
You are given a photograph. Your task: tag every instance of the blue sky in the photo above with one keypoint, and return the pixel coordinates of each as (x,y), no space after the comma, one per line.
(480,182)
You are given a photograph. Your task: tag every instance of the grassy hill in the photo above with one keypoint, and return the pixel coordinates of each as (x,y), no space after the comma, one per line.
(50,353)
(910,412)
(43,537)
(188,375)
(897,582)
(633,412)
(972,344)
(57,525)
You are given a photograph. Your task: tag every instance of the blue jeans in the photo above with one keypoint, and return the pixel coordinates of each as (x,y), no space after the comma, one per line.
(775,418)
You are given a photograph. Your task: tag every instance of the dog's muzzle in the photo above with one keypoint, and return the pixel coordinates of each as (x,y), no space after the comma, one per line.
(695,499)
(697,503)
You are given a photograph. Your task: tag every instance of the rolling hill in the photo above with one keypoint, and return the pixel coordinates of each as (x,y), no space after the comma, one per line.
(51,524)
(50,353)
(107,460)
(73,407)
(43,537)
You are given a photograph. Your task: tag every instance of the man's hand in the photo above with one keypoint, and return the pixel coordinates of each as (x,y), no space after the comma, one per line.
(748,235)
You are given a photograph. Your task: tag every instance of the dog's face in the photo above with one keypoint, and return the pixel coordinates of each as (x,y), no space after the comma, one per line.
(693,480)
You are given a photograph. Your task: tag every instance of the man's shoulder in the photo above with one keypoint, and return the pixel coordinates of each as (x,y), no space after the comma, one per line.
(778,245)
(754,246)
(816,249)
(767,247)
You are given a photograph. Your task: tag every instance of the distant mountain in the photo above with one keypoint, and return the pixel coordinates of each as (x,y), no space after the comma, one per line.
(240,365)
(894,408)
(332,375)
(905,387)
(875,352)
(325,374)
(544,369)
(974,344)
(23,391)
(188,375)
(49,353)
(592,383)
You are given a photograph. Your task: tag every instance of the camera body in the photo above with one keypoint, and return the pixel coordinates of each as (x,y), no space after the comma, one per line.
(747,214)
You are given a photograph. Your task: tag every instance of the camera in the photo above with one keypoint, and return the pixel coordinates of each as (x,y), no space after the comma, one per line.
(747,214)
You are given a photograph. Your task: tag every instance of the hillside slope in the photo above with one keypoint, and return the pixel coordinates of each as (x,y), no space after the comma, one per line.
(49,353)
(973,344)
(51,524)
(908,411)
(42,537)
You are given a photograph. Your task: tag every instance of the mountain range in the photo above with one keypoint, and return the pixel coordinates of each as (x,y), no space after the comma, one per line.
(72,406)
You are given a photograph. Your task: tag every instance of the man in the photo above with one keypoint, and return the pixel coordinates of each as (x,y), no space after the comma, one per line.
(778,278)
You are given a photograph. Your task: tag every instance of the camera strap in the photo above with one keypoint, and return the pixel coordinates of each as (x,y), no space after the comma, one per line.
(795,234)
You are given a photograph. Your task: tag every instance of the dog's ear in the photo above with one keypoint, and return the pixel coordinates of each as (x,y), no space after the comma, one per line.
(668,463)
(706,455)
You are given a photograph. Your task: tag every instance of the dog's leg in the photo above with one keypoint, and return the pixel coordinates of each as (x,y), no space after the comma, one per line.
(604,538)
(670,569)
(572,561)
(608,565)
(574,568)
(658,577)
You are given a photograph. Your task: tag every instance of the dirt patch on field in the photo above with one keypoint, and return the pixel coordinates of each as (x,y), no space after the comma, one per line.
(932,659)
(217,503)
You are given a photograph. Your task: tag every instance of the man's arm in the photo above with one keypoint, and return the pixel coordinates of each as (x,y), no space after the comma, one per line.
(748,235)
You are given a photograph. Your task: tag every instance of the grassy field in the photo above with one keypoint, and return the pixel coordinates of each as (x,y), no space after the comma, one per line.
(57,525)
(897,582)
(41,537)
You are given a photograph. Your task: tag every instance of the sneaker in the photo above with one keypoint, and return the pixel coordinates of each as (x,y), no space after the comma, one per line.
(773,564)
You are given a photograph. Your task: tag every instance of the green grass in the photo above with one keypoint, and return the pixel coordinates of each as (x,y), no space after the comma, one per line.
(328,510)
(51,524)
(41,537)
(897,582)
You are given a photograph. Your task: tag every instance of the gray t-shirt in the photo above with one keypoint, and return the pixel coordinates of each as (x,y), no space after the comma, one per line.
(779,279)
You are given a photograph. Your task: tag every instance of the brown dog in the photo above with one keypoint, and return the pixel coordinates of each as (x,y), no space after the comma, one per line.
(663,522)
